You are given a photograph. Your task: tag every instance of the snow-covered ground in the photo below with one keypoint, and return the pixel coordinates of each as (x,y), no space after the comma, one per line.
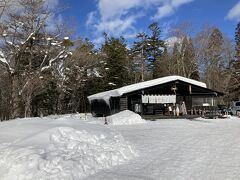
(125,118)
(81,147)
(59,147)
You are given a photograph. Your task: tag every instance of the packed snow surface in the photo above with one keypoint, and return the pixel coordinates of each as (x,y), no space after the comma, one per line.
(58,148)
(130,88)
(180,149)
(75,147)
(125,118)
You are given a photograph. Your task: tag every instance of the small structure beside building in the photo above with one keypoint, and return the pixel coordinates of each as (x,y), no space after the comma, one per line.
(166,96)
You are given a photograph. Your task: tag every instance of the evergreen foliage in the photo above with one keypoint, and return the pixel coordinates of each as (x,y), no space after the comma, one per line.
(234,83)
(155,49)
(116,57)
(139,51)
(44,73)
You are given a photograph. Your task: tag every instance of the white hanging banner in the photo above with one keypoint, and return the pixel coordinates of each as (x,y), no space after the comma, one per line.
(152,99)
(163,99)
(174,98)
(168,99)
(159,99)
(144,98)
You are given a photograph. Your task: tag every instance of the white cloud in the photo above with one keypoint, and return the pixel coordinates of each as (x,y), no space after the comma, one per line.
(110,9)
(51,4)
(98,40)
(91,17)
(118,17)
(170,42)
(53,22)
(234,13)
(163,11)
(117,26)
(14,6)
(177,3)
(168,8)
(166,28)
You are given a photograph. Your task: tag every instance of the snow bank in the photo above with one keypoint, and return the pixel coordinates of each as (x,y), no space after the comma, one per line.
(66,153)
(125,118)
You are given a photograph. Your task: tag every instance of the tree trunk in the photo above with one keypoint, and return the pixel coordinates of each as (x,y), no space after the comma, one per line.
(1,106)
(16,98)
(178,67)
(28,109)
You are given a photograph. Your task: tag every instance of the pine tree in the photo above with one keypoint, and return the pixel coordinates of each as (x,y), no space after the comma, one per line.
(155,49)
(234,83)
(165,59)
(116,57)
(237,45)
(188,62)
(161,65)
(79,69)
(148,50)
(139,51)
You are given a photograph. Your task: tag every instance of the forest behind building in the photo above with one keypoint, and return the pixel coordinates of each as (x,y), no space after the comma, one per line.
(52,70)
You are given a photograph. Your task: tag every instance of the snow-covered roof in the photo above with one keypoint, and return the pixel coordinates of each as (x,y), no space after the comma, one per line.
(146,84)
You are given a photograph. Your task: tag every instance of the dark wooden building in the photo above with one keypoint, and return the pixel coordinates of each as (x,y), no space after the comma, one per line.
(160,96)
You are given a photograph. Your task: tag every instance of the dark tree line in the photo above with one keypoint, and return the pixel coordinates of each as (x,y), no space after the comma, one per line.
(44,72)
(234,83)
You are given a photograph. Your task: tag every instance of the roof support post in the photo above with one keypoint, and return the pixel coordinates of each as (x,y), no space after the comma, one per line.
(190,89)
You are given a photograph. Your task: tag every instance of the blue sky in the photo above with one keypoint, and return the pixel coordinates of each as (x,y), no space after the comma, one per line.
(128,17)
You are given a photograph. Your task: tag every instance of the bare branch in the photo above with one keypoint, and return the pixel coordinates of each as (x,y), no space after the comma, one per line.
(4,62)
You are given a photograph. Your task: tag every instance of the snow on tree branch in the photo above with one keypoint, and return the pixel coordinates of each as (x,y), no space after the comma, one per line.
(53,60)
(41,24)
(4,62)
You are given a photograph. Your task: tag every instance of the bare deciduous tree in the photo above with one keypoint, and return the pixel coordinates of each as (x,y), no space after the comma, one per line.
(29,52)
